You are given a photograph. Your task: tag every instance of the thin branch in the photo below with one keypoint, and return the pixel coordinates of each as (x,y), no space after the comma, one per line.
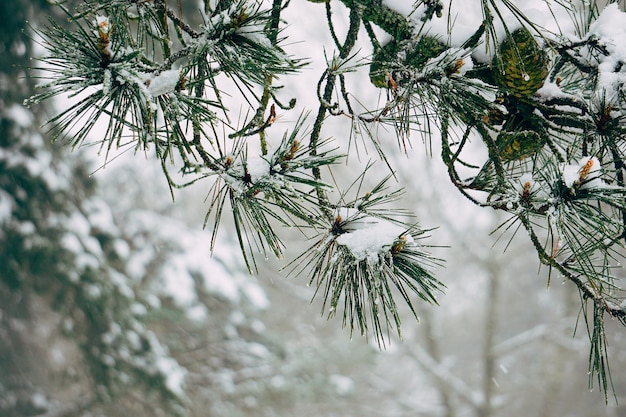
(344,52)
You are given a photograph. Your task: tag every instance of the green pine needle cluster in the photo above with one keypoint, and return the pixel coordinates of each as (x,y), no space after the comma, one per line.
(363,282)
(265,189)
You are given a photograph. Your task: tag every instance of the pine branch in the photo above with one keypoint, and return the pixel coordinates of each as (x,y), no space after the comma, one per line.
(598,365)
(382,16)
(363,257)
(266,188)
(330,78)
(551,135)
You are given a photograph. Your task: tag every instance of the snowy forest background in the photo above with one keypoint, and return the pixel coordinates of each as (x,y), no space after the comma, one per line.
(111,303)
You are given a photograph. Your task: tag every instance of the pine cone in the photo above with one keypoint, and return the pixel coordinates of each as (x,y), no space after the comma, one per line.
(521,65)
(381,64)
(519,145)
(410,55)
(427,47)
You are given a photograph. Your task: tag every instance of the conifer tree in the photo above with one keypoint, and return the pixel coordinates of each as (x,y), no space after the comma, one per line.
(544,108)
(69,265)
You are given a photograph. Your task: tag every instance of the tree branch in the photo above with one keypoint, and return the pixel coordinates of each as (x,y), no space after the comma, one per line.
(344,52)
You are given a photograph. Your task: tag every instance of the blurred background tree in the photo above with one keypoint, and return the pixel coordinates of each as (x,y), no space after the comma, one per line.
(114,305)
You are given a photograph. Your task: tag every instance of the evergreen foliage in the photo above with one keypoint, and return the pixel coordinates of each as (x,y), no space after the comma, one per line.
(547,111)
(64,254)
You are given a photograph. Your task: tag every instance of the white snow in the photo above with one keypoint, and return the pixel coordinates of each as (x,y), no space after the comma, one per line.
(114,332)
(100,216)
(189,267)
(466,16)
(120,282)
(343,385)
(367,242)
(551,90)
(258,168)
(26,227)
(345,213)
(197,313)
(140,80)
(39,400)
(401,6)
(174,375)
(164,83)
(121,248)
(106,82)
(133,339)
(138,309)
(93,291)
(256,35)
(572,173)
(57,355)
(20,115)
(84,260)
(38,164)
(6,206)
(178,284)
(610,28)
(79,226)
(136,265)
(255,294)
(258,350)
